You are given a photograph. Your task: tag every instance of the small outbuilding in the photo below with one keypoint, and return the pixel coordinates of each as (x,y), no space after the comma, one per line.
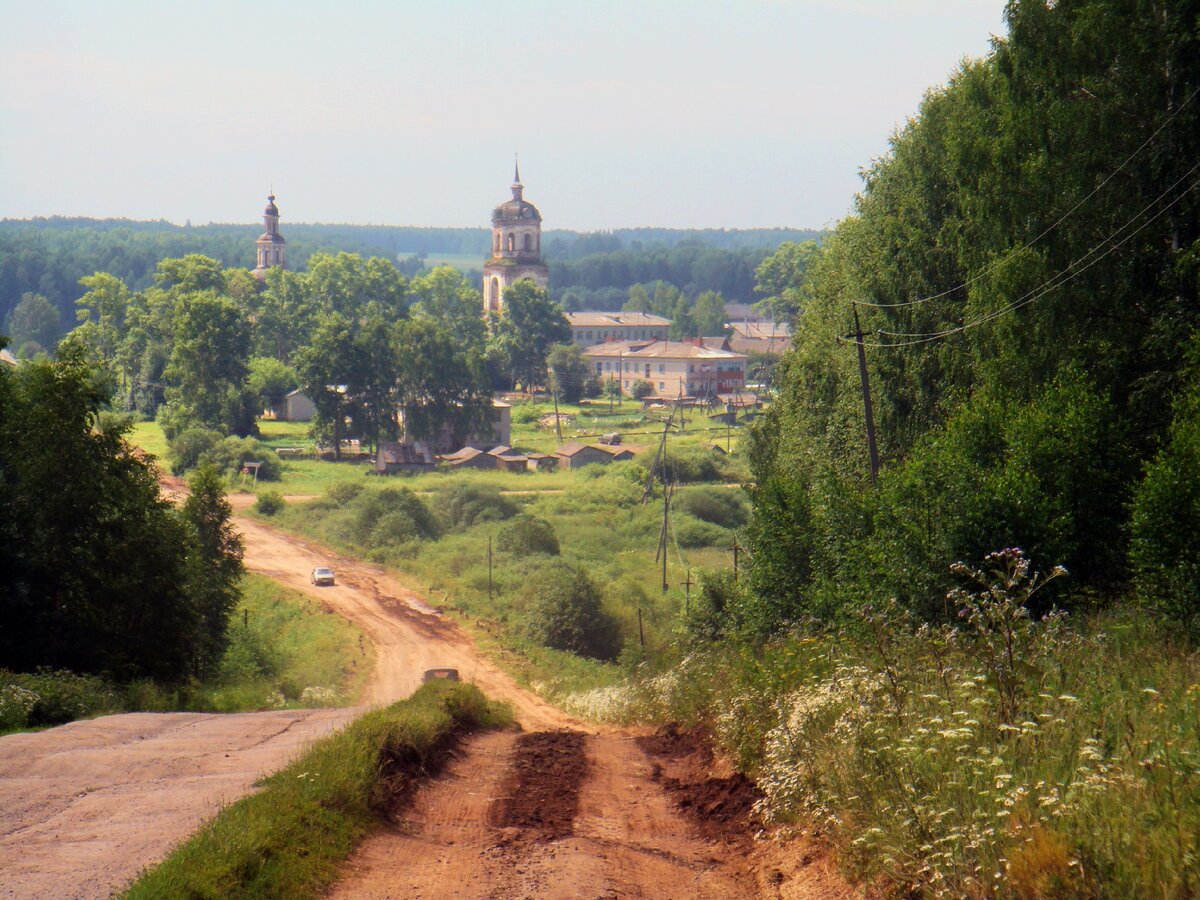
(394,457)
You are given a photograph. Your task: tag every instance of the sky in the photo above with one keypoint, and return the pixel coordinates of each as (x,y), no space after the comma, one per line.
(686,114)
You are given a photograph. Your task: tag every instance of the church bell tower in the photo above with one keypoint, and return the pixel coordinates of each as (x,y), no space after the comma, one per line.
(271,248)
(516,248)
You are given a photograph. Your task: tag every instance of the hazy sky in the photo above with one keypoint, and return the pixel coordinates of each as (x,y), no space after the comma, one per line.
(687,114)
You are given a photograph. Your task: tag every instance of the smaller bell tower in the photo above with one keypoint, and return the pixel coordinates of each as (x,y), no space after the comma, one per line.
(270,248)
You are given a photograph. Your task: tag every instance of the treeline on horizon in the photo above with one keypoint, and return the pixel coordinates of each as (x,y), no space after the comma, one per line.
(48,256)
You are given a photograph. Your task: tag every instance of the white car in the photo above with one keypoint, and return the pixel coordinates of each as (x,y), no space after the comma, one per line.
(322,575)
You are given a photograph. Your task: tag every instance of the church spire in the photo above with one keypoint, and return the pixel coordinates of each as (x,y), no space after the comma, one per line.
(517,187)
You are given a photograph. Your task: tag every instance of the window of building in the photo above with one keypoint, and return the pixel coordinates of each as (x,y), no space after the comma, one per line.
(607,366)
(626,384)
(662,368)
(497,242)
(512,241)
(589,335)
(528,242)
(661,386)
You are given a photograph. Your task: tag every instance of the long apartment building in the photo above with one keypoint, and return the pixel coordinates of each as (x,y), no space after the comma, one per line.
(673,368)
(590,328)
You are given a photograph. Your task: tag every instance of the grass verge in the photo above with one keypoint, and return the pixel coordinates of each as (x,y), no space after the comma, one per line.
(289,839)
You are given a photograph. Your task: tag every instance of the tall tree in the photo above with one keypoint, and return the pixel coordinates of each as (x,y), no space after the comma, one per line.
(34,325)
(206,375)
(443,387)
(530,324)
(214,565)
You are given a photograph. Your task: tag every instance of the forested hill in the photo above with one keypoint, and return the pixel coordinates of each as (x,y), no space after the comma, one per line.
(48,256)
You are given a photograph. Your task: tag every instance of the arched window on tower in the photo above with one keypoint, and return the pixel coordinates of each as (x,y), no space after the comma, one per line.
(497,242)
(494,299)
(512,243)
(528,242)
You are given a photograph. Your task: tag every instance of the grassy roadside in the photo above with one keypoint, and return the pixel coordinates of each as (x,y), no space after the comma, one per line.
(285,650)
(289,839)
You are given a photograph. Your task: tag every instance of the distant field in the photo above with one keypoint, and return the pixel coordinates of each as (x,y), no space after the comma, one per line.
(463,262)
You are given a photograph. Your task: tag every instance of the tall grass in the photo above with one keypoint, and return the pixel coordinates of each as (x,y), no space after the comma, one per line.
(1067,764)
(289,839)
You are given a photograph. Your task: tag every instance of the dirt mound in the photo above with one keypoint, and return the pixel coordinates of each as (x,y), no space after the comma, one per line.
(670,742)
(721,808)
(541,795)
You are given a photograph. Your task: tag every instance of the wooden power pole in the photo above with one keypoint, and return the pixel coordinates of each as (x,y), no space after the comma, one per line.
(866,392)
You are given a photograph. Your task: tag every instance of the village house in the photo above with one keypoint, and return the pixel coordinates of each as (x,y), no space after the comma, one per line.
(393,457)
(496,432)
(767,338)
(294,407)
(591,328)
(674,369)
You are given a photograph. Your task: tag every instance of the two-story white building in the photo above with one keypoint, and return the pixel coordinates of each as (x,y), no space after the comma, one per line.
(589,328)
(673,368)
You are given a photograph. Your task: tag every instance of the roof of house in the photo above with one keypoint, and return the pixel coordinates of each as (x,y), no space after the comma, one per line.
(396,454)
(464,453)
(571,448)
(720,342)
(660,350)
(593,319)
(618,449)
(536,455)
(763,330)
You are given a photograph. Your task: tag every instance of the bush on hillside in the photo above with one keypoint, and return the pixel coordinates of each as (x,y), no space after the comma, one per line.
(190,446)
(469,504)
(390,516)
(641,389)
(720,506)
(342,492)
(196,445)
(233,452)
(269,503)
(528,534)
(564,610)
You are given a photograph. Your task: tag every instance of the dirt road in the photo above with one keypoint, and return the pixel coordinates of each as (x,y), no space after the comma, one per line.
(88,805)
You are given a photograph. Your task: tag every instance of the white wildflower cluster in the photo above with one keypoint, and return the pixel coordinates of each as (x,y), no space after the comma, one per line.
(938,781)
(16,703)
(615,703)
(317,695)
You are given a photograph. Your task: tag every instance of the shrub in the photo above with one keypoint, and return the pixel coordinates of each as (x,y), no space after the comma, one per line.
(528,534)
(58,696)
(564,610)
(190,446)
(391,516)
(232,452)
(269,502)
(641,389)
(720,506)
(342,492)
(691,532)
(470,503)
(174,420)
(527,413)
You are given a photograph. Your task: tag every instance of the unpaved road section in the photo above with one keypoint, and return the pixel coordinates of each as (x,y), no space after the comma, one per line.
(85,807)
(547,817)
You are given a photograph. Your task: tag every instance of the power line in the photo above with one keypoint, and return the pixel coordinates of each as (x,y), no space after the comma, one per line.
(1055,281)
(1057,222)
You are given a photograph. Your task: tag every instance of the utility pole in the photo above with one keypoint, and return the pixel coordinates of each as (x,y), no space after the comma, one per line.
(736,548)
(554,394)
(866,392)
(666,508)
(489,568)
(641,633)
(687,595)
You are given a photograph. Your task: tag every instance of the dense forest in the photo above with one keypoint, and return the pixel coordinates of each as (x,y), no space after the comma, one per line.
(47,258)
(1025,266)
